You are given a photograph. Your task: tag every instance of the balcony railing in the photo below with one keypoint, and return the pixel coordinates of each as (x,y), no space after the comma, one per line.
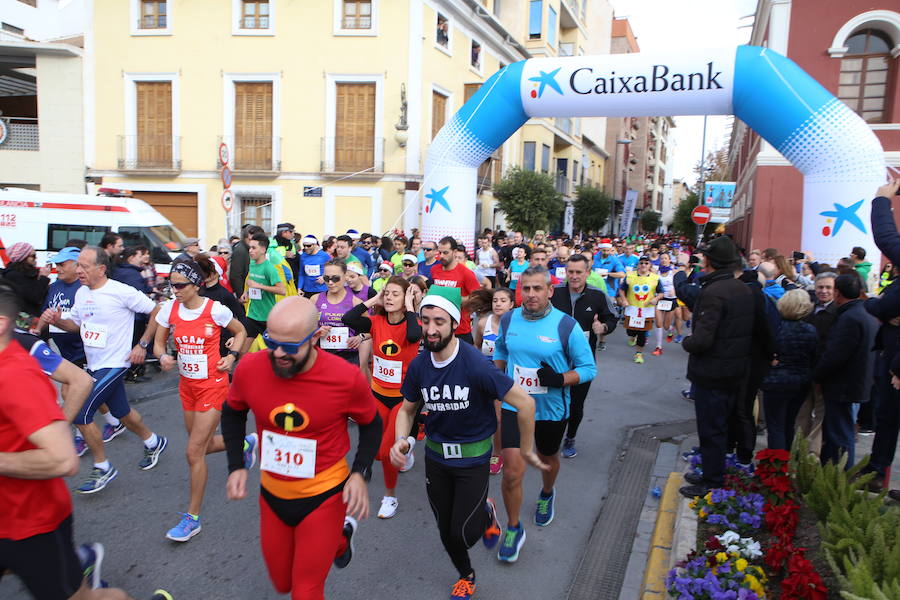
(356,22)
(21,134)
(345,154)
(561,182)
(566,49)
(485,175)
(149,153)
(564,124)
(252,153)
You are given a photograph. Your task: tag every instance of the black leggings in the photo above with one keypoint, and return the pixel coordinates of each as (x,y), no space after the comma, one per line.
(576,407)
(640,335)
(457,496)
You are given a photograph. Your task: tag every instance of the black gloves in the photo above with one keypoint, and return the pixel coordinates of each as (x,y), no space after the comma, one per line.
(550,378)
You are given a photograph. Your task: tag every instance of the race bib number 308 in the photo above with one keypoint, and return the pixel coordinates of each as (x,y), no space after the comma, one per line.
(387,371)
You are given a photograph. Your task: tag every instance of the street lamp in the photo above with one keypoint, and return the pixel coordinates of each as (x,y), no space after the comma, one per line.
(623,174)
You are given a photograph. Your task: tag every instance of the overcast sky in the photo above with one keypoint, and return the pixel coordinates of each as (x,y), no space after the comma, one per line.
(671,25)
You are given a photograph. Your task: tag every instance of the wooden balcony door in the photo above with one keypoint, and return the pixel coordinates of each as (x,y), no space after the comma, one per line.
(354,143)
(253,125)
(154,124)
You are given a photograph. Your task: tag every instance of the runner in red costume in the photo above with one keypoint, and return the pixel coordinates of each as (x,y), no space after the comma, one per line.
(301,398)
(395,332)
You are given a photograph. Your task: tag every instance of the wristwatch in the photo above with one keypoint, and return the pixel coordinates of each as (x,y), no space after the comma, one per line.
(144,344)
(235,354)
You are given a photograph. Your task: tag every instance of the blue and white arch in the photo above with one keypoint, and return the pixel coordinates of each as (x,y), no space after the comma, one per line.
(840,158)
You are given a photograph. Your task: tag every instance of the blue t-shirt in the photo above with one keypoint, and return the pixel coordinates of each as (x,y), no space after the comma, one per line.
(629,261)
(459,398)
(311,268)
(365,258)
(528,343)
(425,270)
(48,360)
(61,295)
(612,264)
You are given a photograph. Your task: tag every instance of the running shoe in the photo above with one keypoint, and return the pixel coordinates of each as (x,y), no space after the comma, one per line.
(601,346)
(492,534)
(151,455)
(657,351)
(544,512)
(688,323)
(91,556)
(639,358)
(80,445)
(388,507)
(496,465)
(569,450)
(97,480)
(679,338)
(670,336)
(187,528)
(250,443)
(513,539)
(161,595)
(464,589)
(632,341)
(686,394)
(110,433)
(342,560)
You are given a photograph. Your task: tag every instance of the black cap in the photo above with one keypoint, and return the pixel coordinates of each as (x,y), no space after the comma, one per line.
(285,226)
(721,251)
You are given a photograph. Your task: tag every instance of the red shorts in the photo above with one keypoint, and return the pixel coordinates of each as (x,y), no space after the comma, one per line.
(198,398)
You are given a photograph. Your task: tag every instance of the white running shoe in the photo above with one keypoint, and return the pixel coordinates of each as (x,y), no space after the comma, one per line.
(410,457)
(388,507)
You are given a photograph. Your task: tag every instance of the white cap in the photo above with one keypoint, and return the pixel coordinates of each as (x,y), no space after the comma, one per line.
(309,239)
(411,258)
(355,267)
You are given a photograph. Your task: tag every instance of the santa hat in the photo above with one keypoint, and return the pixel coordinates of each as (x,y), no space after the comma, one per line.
(447,298)
(605,243)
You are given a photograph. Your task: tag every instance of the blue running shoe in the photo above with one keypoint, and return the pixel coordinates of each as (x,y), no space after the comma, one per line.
(513,539)
(569,450)
(80,445)
(492,534)
(543,514)
(151,455)
(91,556)
(250,443)
(343,559)
(187,528)
(679,338)
(97,480)
(110,433)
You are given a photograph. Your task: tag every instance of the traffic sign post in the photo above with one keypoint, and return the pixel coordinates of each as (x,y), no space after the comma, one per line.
(701,216)
(226,177)
(227,200)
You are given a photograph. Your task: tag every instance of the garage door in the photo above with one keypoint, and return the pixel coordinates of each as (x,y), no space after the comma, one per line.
(178,207)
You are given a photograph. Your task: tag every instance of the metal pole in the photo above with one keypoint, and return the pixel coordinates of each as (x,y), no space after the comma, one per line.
(702,178)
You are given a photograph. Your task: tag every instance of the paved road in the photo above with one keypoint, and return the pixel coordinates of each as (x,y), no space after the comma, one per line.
(397,558)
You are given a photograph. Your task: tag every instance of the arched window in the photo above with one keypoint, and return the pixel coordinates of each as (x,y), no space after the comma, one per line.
(865,70)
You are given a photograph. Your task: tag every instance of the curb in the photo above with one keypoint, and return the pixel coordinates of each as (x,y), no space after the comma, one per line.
(659,559)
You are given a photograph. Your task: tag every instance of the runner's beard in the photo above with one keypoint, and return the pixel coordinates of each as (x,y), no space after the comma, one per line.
(296,366)
(440,344)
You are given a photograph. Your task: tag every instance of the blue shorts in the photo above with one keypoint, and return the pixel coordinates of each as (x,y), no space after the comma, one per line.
(109,389)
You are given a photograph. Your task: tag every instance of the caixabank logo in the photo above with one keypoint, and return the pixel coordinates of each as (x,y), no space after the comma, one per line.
(658,78)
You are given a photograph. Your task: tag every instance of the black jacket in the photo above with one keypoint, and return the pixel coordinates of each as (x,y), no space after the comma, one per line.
(845,367)
(131,275)
(886,306)
(32,289)
(239,268)
(722,339)
(822,321)
(591,303)
(795,348)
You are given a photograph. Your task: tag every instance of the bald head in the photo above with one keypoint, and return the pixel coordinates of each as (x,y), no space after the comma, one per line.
(767,270)
(292,319)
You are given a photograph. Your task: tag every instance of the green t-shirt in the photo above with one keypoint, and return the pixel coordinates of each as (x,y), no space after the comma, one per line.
(595,280)
(263,273)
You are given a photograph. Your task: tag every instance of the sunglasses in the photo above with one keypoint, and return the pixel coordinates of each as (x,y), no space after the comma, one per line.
(332,278)
(178,286)
(307,245)
(287,347)
(409,264)
(224,253)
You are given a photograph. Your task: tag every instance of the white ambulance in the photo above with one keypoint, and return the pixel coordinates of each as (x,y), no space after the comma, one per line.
(47,221)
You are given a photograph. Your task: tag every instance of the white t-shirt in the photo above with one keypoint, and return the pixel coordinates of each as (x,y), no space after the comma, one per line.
(106,319)
(221,314)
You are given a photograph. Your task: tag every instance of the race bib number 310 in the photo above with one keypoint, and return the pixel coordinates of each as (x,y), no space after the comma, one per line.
(288,456)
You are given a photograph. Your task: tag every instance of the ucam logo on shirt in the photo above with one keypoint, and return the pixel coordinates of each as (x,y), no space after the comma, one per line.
(641,84)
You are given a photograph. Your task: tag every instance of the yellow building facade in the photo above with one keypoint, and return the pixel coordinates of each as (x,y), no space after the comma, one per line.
(327,107)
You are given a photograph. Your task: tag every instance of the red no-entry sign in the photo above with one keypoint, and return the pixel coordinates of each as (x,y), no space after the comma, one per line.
(701,215)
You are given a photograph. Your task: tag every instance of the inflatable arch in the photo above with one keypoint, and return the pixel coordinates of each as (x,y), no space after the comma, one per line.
(841,160)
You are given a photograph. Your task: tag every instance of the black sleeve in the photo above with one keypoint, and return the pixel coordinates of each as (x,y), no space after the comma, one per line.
(884,230)
(357,319)
(369,440)
(842,342)
(236,308)
(606,315)
(686,291)
(234,428)
(413,328)
(372,293)
(762,326)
